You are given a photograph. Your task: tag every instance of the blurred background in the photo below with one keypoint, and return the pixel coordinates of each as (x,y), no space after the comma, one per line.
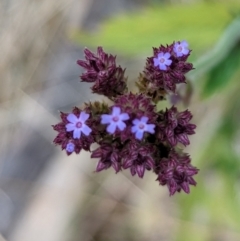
(45,195)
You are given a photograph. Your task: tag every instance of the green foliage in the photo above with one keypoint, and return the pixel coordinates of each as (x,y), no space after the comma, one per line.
(220,75)
(132,34)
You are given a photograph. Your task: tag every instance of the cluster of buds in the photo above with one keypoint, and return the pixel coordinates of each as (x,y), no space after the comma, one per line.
(129,130)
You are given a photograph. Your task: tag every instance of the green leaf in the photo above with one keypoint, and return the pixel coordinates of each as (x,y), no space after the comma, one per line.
(135,33)
(222,74)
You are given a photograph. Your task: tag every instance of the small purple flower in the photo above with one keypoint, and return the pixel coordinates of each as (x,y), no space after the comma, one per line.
(162,60)
(115,120)
(70,147)
(181,48)
(141,126)
(77,125)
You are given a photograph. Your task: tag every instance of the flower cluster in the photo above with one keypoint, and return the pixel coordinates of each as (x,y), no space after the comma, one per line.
(130,132)
(164,70)
(101,69)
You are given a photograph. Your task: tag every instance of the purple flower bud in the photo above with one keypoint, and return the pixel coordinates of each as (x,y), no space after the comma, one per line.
(70,147)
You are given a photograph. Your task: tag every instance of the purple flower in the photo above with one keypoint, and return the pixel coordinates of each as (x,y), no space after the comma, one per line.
(70,147)
(115,120)
(162,60)
(77,125)
(181,48)
(65,138)
(136,106)
(141,126)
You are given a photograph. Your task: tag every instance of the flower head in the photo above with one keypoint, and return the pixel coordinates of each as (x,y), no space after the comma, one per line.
(162,60)
(175,126)
(181,48)
(140,126)
(176,172)
(101,69)
(115,120)
(77,125)
(164,70)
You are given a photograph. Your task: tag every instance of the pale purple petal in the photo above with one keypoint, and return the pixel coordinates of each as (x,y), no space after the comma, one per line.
(150,128)
(162,67)
(72,118)
(185,51)
(134,129)
(167,55)
(176,45)
(124,116)
(86,130)
(156,62)
(76,133)
(121,125)
(116,111)
(144,119)
(160,55)
(112,128)
(168,62)
(179,54)
(139,135)
(184,43)
(83,116)
(70,127)
(136,121)
(106,119)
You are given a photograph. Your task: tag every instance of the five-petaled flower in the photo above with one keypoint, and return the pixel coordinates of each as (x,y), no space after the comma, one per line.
(115,120)
(181,48)
(77,125)
(140,126)
(162,60)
